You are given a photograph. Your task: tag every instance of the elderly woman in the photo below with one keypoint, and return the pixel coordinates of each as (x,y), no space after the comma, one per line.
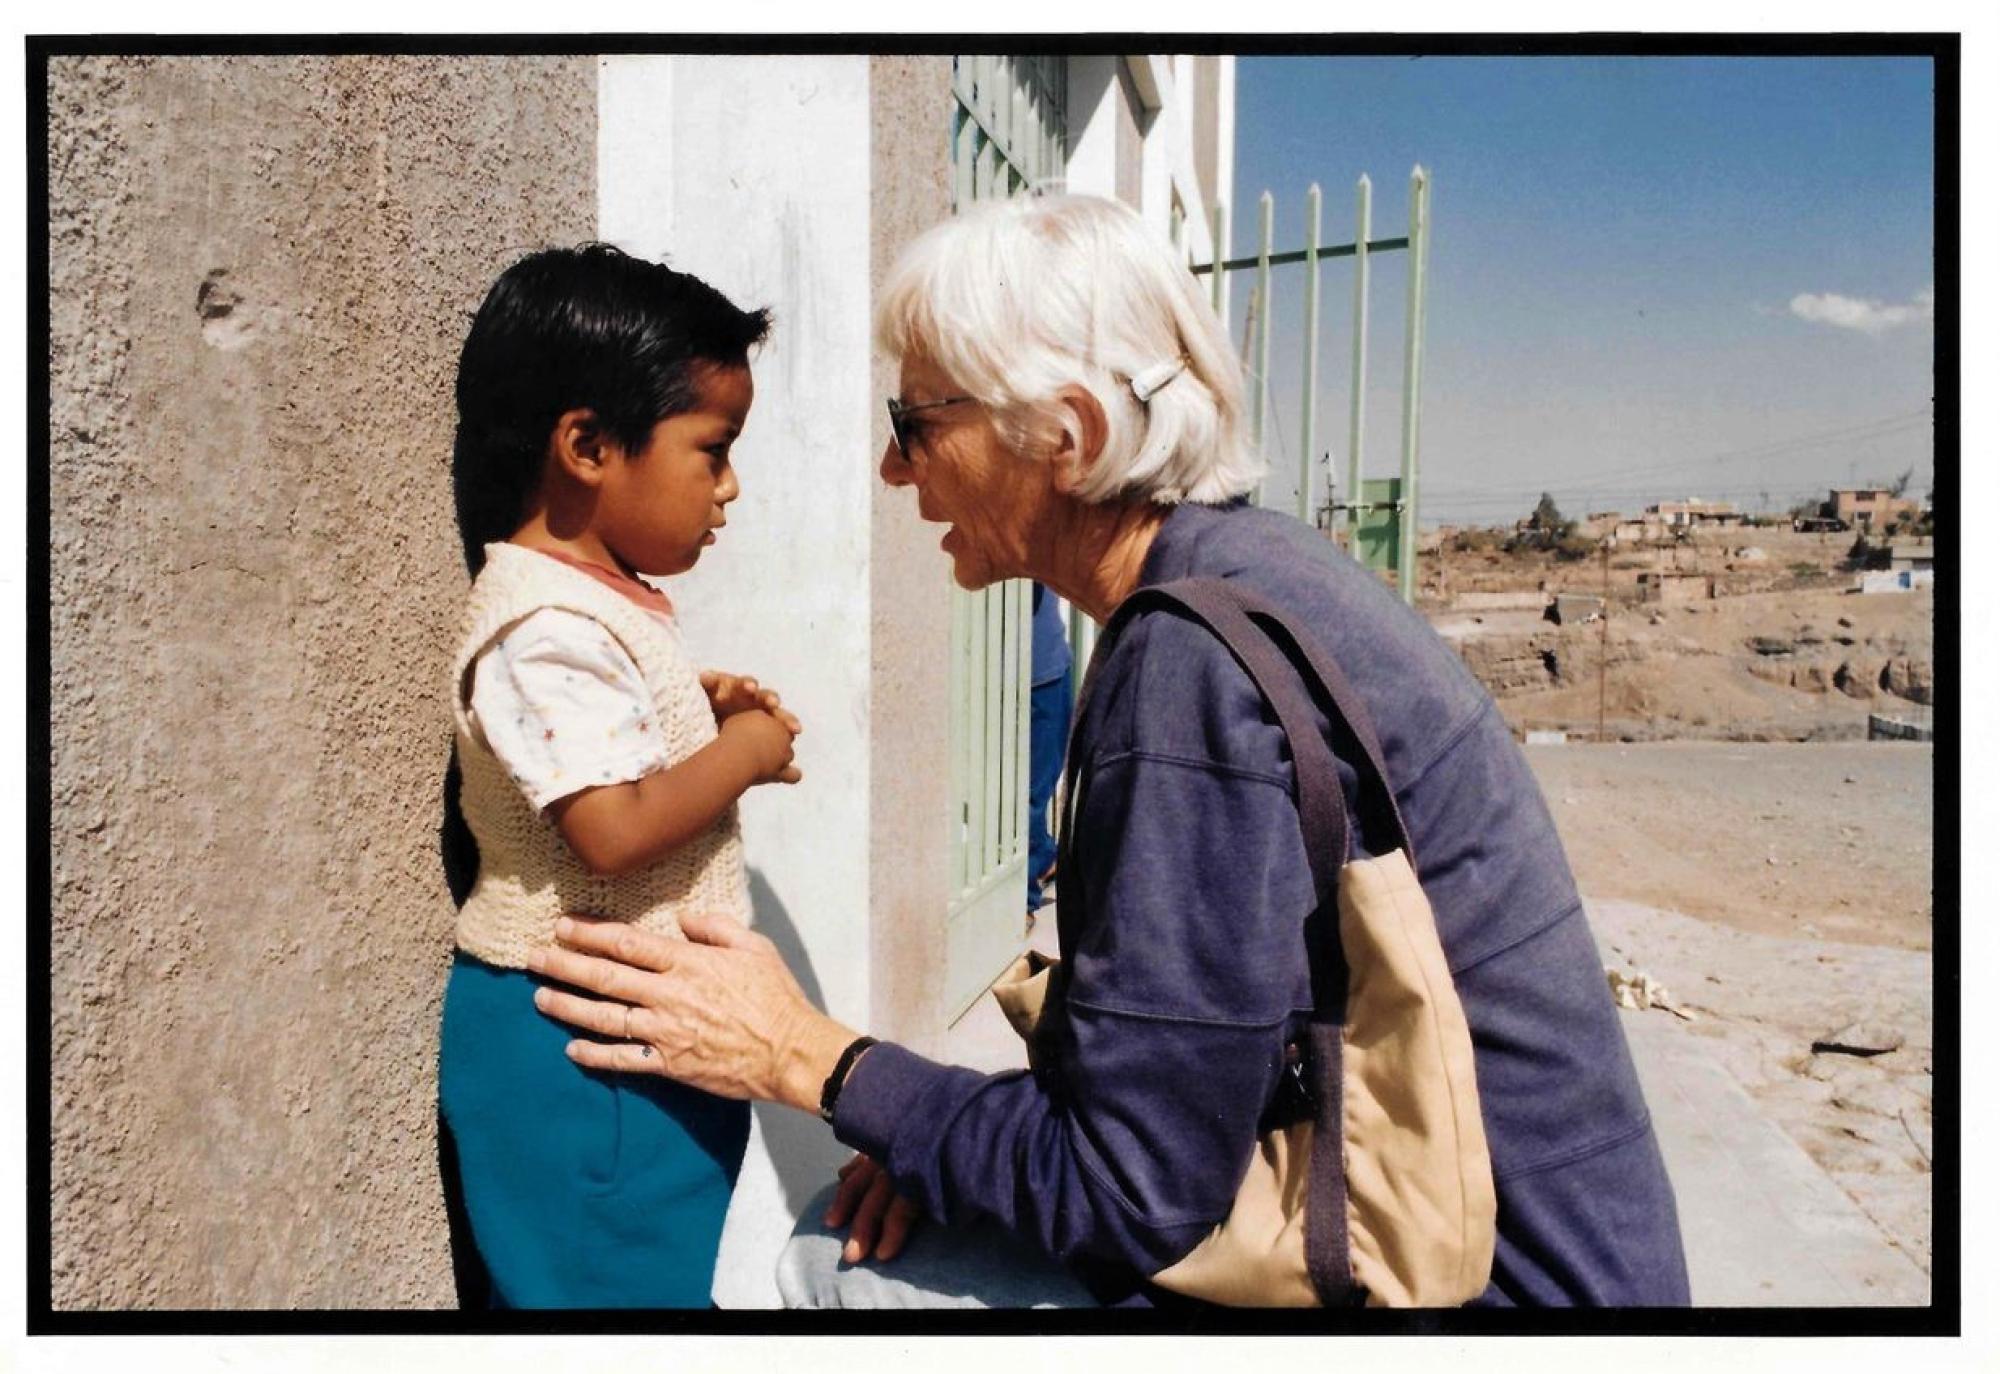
(1070,412)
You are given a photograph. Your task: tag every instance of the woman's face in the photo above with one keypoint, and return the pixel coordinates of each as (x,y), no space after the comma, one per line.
(968,478)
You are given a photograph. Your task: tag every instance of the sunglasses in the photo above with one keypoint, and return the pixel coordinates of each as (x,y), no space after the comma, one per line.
(899,418)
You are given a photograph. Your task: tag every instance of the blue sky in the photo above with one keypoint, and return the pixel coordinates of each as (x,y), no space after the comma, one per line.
(1651,278)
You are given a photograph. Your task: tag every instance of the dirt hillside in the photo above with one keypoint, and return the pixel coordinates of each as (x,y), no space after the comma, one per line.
(1785,649)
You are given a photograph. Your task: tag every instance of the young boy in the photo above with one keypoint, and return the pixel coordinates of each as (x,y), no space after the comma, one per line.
(598,397)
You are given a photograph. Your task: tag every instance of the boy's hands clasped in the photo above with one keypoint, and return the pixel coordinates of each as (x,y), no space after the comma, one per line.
(730,693)
(753,716)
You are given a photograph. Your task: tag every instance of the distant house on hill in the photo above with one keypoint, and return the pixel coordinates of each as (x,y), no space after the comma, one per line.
(1574,608)
(1693,514)
(1866,507)
(1916,556)
(1676,588)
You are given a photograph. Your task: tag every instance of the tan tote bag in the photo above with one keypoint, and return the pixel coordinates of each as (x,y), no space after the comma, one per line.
(1375,1185)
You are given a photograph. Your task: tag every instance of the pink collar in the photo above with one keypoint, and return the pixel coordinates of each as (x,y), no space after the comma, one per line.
(631,588)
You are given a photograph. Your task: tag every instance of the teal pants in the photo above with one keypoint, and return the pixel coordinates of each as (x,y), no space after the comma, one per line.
(581,1189)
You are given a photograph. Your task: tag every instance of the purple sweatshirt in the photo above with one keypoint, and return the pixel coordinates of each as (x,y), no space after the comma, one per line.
(1187,970)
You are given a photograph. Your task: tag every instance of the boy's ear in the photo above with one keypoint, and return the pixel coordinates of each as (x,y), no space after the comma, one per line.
(580,446)
(1080,442)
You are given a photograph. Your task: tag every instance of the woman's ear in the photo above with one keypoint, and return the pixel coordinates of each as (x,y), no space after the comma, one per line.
(1080,443)
(580,446)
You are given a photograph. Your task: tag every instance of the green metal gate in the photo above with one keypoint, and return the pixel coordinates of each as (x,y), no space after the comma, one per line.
(1381,515)
(1007,136)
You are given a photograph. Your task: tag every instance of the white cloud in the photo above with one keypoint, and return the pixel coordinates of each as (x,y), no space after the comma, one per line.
(1870,317)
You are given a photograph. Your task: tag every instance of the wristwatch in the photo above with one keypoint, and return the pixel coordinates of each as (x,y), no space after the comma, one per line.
(829,1095)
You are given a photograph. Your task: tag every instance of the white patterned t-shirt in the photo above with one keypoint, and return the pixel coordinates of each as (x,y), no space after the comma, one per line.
(564,707)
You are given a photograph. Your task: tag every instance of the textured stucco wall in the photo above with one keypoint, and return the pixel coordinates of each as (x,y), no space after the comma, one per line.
(910,593)
(261,272)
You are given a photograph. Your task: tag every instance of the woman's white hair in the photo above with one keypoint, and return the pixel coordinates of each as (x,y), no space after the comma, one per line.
(1018,299)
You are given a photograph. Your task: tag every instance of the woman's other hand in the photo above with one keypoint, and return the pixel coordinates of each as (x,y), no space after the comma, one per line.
(877,1217)
(718,1011)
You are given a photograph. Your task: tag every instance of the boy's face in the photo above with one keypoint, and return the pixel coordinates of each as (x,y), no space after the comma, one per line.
(658,508)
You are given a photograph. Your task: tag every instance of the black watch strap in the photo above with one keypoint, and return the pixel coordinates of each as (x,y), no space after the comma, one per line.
(829,1095)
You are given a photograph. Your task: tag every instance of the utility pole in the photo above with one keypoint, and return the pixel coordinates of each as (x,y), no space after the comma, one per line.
(1603,631)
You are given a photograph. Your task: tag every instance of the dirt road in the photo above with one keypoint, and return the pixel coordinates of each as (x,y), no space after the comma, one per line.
(1821,840)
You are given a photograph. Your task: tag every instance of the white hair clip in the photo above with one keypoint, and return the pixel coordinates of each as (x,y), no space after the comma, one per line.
(1148,383)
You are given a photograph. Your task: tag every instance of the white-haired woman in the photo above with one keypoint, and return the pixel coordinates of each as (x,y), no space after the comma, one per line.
(1070,411)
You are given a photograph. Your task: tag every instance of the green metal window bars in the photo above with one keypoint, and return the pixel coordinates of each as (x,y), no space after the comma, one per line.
(1008,132)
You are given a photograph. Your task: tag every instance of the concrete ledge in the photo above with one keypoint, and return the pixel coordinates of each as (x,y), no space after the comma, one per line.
(1763,1224)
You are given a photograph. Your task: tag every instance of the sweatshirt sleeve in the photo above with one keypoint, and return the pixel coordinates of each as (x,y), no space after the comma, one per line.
(1183,974)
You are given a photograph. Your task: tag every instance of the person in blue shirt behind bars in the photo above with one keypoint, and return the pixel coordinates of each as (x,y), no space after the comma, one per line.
(1048,733)
(1070,408)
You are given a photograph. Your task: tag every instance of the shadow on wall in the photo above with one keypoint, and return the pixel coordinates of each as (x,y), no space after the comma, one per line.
(803,1151)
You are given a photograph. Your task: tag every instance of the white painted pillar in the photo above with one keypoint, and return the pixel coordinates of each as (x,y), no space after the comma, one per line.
(1090,106)
(753,173)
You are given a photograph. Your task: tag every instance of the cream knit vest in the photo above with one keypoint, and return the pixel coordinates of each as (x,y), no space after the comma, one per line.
(527,874)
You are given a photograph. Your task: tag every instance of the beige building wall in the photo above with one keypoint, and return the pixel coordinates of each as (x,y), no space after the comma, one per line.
(261,272)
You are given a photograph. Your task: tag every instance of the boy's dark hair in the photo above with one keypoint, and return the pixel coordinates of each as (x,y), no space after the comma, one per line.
(567,329)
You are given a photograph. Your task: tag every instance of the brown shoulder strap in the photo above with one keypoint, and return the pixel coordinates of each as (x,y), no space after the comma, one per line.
(1322,811)
(1252,629)
(1337,696)
(1228,613)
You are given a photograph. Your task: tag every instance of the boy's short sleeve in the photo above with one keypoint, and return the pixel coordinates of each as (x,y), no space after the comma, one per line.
(563,707)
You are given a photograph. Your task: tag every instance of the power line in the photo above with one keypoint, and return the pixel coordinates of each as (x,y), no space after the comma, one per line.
(1873,429)
(1513,495)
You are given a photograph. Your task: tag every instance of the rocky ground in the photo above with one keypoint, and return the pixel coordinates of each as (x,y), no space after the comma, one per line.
(1787,906)
(1826,841)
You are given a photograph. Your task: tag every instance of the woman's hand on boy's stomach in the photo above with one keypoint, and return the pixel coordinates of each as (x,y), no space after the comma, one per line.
(767,739)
